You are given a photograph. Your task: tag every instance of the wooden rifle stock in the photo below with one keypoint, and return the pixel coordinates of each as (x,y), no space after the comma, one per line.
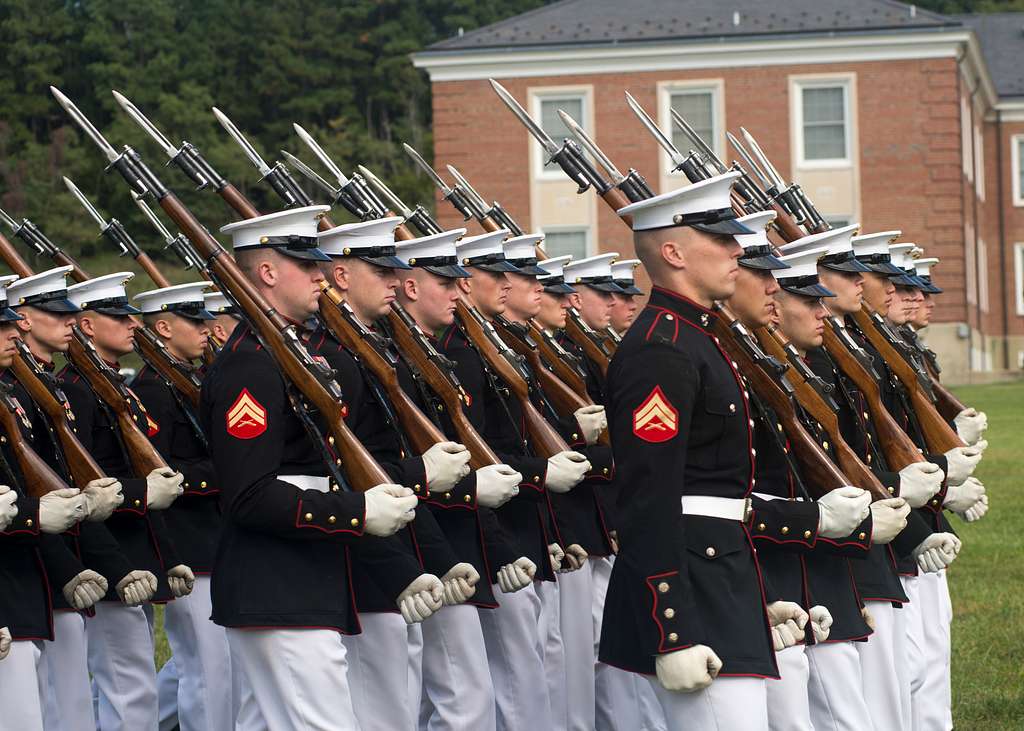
(281,340)
(938,434)
(611,340)
(545,441)
(947,404)
(80,463)
(421,431)
(563,363)
(38,478)
(898,448)
(585,337)
(565,400)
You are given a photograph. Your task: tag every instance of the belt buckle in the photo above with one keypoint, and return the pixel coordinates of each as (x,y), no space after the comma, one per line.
(748,509)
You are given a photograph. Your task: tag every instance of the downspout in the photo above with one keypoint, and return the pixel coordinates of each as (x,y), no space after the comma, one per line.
(1002,240)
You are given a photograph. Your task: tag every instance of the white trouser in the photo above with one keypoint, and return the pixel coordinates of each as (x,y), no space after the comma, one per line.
(933,701)
(910,648)
(298,679)
(414,635)
(575,709)
(195,686)
(728,704)
(553,648)
(378,672)
(67,705)
(788,703)
(835,688)
(625,701)
(512,633)
(247,715)
(21,689)
(457,689)
(121,663)
(878,668)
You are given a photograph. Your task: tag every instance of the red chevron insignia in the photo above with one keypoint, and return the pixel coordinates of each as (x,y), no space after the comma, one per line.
(246,419)
(655,420)
(152,428)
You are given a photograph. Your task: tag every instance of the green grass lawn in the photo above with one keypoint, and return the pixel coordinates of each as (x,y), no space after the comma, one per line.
(987,580)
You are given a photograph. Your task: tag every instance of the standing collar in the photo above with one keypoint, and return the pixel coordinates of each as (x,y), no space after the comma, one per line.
(682,306)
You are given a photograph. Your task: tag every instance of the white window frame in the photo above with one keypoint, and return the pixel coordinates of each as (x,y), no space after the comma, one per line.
(845,82)
(979,162)
(966,141)
(538,154)
(982,269)
(716,87)
(588,232)
(1018,277)
(1018,194)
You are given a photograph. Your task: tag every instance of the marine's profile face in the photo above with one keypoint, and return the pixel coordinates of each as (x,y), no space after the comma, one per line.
(712,263)
(753,302)
(802,319)
(595,306)
(523,296)
(848,288)
(490,291)
(623,311)
(878,292)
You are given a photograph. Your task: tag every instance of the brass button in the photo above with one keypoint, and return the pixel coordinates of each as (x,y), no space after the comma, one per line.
(670,613)
(308,516)
(575,436)
(3,440)
(710,552)
(824,445)
(669,318)
(862,536)
(673,637)
(28,522)
(332,520)
(416,488)
(138,503)
(935,502)
(604,470)
(785,530)
(865,415)
(186,484)
(354,522)
(536,478)
(807,534)
(447,496)
(467,498)
(761,526)
(779,427)
(330,440)
(663,587)
(335,488)
(732,408)
(337,461)
(202,485)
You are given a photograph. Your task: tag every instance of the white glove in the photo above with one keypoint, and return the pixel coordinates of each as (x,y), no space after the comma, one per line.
(981,445)
(821,622)
(388,508)
(787,620)
(919,481)
(685,671)
(61,509)
(445,464)
(496,484)
(459,583)
(574,558)
(961,497)
(102,496)
(961,461)
(8,509)
(592,421)
(555,555)
(136,588)
(421,598)
(182,580)
(516,575)
(841,510)
(5,642)
(888,518)
(970,425)
(937,551)
(976,511)
(85,589)
(565,471)
(163,486)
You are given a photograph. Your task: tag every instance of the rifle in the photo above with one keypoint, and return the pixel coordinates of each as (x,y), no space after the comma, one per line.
(587,338)
(947,404)
(37,477)
(315,382)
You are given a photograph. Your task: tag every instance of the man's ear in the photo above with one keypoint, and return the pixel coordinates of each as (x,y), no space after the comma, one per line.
(267,273)
(574,299)
(218,331)
(86,324)
(25,325)
(465,285)
(341,275)
(410,288)
(163,328)
(673,254)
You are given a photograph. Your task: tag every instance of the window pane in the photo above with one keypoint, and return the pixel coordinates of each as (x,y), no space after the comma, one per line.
(823,105)
(552,123)
(697,108)
(825,142)
(560,243)
(1020,167)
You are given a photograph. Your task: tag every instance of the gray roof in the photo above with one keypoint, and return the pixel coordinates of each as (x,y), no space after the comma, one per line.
(1001,37)
(615,21)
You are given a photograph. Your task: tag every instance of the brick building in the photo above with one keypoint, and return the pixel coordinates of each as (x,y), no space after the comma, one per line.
(886,114)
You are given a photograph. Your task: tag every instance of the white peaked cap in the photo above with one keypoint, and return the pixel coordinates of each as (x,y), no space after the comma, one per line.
(429,247)
(899,254)
(666,209)
(487,244)
(109,286)
(593,266)
(159,300)
(622,268)
(878,243)
(347,239)
(836,241)
(554,266)
(923,267)
(217,303)
(293,222)
(52,280)
(522,247)
(758,223)
(801,264)
(5,280)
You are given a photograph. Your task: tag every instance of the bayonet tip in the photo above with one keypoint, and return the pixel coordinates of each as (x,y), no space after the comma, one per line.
(121,98)
(567,119)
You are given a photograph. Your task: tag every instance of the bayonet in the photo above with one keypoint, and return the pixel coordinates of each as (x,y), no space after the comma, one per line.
(458,197)
(418,216)
(632,184)
(698,142)
(766,164)
(494,215)
(751,163)
(804,211)
(277,176)
(353,193)
(425,167)
(87,126)
(112,229)
(30,234)
(312,175)
(180,245)
(468,187)
(321,155)
(666,144)
(143,121)
(532,127)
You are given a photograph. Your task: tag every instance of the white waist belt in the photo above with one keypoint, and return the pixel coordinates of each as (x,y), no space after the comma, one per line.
(766,496)
(307,482)
(716,507)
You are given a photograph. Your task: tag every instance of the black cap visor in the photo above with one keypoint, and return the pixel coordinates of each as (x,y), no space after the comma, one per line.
(449,271)
(808,286)
(59,305)
(628,287)
(527,266)
(7,314)
(903,280)
(844,263)
(498,267)
(761,257)
(387,261)
(558,288)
